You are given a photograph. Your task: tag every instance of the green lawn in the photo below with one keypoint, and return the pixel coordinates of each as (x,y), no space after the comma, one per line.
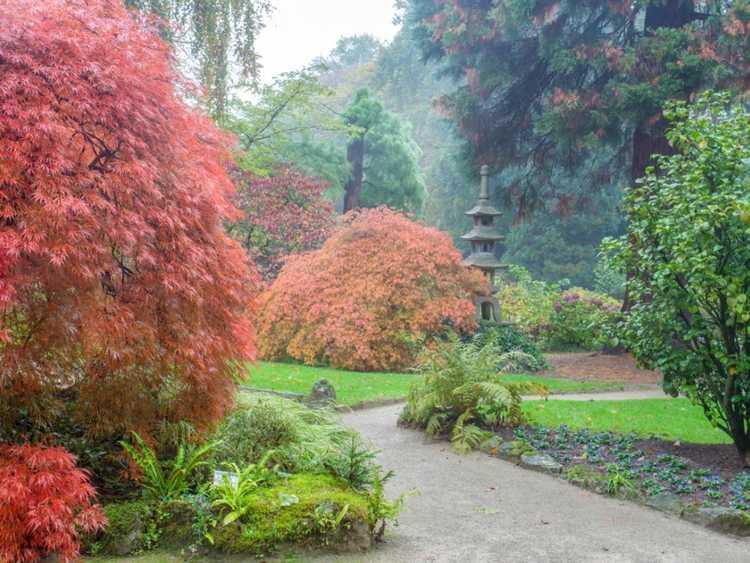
(671,419)
(354,387)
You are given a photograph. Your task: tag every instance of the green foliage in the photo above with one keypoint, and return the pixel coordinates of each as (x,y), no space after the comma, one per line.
(273,519)
(234,500)
(688,250)
(557,319)
(123,519)
(461,391)
(507,339)
(618,481)
(221,36)
(165,481)
(301,440)
(392,176)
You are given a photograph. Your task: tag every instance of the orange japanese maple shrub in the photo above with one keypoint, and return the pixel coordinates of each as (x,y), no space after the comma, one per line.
(44,502)
(381,287)
(126,291)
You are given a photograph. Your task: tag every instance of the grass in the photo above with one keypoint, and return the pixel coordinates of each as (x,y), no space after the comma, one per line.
(669,419)
(354,388)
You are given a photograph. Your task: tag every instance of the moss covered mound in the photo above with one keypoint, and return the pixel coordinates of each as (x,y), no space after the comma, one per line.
(304,510)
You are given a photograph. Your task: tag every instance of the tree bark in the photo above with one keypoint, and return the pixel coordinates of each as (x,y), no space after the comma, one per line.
(649,137)
(355,154)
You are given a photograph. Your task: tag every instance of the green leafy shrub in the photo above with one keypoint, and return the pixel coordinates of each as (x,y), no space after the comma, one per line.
(235,498)
(461,393)
(556,318)
(582,320)
(164,481)
(687,250)
(301,439)
(507,339)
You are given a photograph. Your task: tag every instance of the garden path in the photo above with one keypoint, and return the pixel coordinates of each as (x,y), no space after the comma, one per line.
(654,392)
(476,508)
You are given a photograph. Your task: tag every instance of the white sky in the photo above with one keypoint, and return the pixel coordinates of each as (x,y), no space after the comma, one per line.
(300,30)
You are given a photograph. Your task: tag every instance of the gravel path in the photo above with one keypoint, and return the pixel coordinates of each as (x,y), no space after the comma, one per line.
(631,395)
(478,508)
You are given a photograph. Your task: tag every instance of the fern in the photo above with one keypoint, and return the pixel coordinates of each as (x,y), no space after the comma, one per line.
(461,384)
(166,481)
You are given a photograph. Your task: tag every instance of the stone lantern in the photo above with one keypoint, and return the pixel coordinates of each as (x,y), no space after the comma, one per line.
(483,238)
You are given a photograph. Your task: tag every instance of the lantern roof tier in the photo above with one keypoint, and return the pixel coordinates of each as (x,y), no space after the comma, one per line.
(484,233)
(484,261)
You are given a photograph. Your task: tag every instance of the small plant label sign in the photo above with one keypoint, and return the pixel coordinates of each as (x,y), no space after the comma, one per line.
(220,476)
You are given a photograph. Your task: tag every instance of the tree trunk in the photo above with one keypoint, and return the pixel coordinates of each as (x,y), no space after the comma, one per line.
(355,154)
(649,136)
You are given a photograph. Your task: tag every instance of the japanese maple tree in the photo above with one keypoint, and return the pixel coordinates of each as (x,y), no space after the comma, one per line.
(45,502)
(127,292)
(284,214)
(380,288)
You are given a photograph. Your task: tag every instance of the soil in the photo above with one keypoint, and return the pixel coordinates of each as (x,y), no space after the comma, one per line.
(596,366)
(719,458)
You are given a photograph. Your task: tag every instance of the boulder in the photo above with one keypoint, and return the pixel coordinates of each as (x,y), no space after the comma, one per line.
(540,462)
(322,393)
(721,519)
(666,502)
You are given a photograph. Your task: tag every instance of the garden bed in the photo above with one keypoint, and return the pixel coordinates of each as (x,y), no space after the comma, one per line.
(597,366)
(704,483)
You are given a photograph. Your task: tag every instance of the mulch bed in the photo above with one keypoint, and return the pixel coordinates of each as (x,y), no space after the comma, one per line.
(594,366)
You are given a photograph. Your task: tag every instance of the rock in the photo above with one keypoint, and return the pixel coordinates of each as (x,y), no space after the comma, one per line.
(357,538)
(322,393)
(516,448)
(721,519)
(666,503)
(177,530)
(130,542)
(540,462)
(491,445)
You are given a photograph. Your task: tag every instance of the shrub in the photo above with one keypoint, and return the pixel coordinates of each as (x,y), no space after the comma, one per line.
(507,339)
(301,440)
(558,319)
(124,283)
(687,250)
(582,320)
(462,393)
(284,214)
(44,502)
(380,288)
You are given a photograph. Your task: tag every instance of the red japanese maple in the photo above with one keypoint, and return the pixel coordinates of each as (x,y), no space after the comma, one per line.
(113,194)
(44,502)
(284,214)
(380,288)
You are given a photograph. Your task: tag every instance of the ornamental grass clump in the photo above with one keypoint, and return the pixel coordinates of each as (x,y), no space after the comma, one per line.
(381,287)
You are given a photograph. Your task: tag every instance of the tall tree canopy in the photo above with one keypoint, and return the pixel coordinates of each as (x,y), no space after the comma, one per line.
(127,292)
(384,158)
(543,81)
(220,36)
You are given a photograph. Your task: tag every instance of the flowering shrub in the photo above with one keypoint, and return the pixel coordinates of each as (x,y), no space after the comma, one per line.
(380,287)
(44,502)
(558,319)
(583,320)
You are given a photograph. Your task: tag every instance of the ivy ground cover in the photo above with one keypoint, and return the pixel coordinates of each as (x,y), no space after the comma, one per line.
(353,388)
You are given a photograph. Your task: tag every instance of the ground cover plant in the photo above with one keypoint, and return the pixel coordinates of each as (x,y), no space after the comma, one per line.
(382,287)
(291,476)
(627,465)
(687,251)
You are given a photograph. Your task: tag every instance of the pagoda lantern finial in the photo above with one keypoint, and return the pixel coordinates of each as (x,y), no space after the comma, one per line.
(484,238)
